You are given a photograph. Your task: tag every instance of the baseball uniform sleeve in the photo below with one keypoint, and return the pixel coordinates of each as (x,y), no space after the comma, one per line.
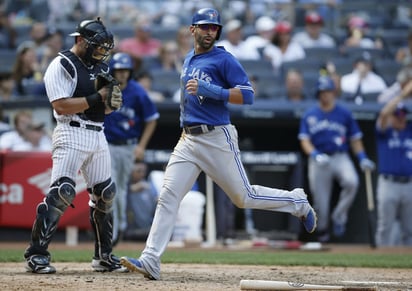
(59,83)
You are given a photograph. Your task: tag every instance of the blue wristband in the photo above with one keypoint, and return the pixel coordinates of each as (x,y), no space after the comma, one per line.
(361,156)
(216,92)
(314,153)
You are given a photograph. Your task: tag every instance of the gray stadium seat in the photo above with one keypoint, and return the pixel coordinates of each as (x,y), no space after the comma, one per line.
(8,58)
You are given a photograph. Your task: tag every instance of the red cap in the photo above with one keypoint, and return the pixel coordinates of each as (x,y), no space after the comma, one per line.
(313,18)
(283,27)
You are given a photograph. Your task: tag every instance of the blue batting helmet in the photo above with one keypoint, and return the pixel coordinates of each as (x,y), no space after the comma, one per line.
(121,61)
(324,83)
(207,16)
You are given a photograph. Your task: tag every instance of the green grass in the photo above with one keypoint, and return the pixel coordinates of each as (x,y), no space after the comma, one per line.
(284,258)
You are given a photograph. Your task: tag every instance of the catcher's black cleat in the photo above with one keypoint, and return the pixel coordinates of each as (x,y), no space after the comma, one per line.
(110,264)
(39,264)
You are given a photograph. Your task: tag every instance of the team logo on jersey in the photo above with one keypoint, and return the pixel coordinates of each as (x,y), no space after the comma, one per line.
(93,75)
(198,74)
(339,140)
(312,120)
(200,98)
(316,125)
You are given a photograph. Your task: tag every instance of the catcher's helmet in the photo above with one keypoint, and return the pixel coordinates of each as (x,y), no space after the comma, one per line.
(97,37)
(324,83)
(207,16)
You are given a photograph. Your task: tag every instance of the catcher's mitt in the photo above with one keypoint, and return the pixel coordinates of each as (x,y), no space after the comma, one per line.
(114,97)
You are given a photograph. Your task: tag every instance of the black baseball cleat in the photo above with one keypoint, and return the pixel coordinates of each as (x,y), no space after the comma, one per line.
(110,264)
(39,264)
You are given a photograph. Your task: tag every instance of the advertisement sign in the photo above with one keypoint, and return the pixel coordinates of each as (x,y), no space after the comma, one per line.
(24,183)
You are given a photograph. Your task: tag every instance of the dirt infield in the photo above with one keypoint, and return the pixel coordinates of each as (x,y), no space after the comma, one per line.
(79,276)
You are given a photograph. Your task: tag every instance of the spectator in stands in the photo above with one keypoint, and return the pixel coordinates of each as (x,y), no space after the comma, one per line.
(7,87)
(225,212)
(168,58)
(362,81)
(8,33)
(184,42)
(27,135)
(329,69)
(26,71)
(404,54)
(146,79)
(54,43)
(142,44)
(254,81)
(141,199)
(357,30)
(329,10)
(281,48)
(313,36)
(69,11)
(234,43)
(403,13)
(4,122)
(265,29)
(25,12)
(295,86)
(38,34)
(402,78)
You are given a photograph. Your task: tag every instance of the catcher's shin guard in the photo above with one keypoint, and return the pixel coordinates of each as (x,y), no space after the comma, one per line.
(60,196)
(101,217)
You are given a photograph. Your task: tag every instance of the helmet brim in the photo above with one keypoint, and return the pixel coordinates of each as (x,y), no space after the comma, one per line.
(207,22)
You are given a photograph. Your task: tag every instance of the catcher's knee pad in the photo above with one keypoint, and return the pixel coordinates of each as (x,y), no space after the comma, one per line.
(61,195)
(102,195)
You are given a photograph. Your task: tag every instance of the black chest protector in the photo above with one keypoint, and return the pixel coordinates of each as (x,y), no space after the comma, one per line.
(85,83)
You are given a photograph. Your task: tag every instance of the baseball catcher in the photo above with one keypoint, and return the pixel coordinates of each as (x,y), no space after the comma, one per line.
(79,110)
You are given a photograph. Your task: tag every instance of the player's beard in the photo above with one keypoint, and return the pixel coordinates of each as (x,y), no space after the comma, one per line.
(205,42)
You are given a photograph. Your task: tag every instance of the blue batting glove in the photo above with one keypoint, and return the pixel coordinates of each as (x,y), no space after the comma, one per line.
(367,164)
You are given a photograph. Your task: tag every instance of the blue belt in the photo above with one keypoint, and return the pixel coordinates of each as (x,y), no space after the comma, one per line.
(129,141)
(198,129)
(332,153)
(397,179)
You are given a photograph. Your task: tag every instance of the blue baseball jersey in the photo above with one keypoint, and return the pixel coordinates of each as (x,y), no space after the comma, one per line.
(217,67)
(128,121)
(331,131)
(394,149)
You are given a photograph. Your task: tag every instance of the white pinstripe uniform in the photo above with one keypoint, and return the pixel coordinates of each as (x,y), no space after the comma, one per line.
(75,148)
(79,144)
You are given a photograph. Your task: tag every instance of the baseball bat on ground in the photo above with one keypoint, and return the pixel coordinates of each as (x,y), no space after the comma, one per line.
(285,285)
(371,209)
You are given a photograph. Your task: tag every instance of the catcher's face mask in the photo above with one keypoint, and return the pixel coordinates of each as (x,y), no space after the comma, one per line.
(99,41)
(98,51)
(101,52)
